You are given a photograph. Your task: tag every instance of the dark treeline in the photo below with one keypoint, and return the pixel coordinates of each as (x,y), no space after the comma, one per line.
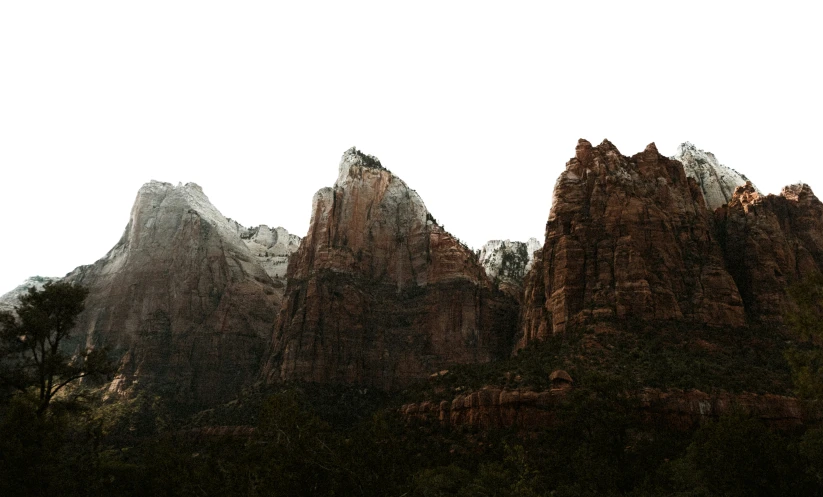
(311,441)
(339,441)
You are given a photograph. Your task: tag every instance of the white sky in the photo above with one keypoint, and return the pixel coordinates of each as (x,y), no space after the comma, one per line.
(475,105)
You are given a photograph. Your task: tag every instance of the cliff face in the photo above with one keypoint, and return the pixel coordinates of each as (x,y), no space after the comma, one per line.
(272,248)
(627,237)
(716,181)
(770,242)
(493,407)
(379,294)
(180,300)
(507,263)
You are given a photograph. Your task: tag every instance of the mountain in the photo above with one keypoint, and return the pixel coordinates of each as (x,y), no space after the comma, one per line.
(627,238)
(272,247)
(198,306)
(717,181)
(507,262)
(771,241)
(379,294)
(184,300)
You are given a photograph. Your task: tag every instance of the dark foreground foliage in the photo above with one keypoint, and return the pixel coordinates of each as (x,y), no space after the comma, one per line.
(661,355)
(317,440)
(598,446)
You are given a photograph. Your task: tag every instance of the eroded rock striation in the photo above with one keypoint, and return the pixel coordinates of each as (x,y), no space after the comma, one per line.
(507,262)
(627,238)
(181,301)
(716,181)
(494,408)
(771,241)
(379,293)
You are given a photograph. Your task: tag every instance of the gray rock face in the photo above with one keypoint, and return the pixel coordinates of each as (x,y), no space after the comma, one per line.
(272,247)
(716,180)
(12,298)
(507,262)
(181,300)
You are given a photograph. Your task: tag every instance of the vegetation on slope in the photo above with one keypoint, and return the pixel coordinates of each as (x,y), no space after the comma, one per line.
(334,440)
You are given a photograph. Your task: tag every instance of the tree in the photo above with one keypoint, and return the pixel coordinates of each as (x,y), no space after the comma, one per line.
(33,343)
(806,320)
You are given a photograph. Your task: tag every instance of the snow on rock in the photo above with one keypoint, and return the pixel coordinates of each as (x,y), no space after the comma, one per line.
(12,298)
(716,180)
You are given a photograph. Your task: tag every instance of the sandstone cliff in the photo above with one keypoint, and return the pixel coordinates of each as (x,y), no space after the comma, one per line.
(507,263)
(379,294)
(493,407)
(180,300)
(771,241)
(716,181)
(627,238)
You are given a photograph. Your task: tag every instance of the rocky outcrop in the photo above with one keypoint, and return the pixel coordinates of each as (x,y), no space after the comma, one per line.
(771,241)
(493,407)
(716,181)
(379,293)
(627,238)
(181,301)
(507,262)
(12,298)
(272,247)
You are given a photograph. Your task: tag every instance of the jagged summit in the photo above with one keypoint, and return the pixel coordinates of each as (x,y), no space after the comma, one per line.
(797,192)
(506,262)
(717,181)
(271,246)
(353,157)
(380,294)
(627,237)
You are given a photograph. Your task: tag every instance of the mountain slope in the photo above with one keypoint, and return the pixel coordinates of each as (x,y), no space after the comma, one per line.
(379,294)
(627,238)
(180,300)
(717,181)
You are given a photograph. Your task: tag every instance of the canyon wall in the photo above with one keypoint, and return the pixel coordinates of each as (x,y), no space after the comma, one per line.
(627,238)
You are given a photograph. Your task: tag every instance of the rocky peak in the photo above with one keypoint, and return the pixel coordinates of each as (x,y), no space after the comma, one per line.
(180,301)
(507,262)
(379,293)
(272,247)
(799,192)
(355,158)
(745,195)
(627,237)
(771,241)
(716,181)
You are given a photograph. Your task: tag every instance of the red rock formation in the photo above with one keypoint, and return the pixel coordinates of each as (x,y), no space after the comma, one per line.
(769,242)
(627,237)
(379,294)
(493,407)
(180,300)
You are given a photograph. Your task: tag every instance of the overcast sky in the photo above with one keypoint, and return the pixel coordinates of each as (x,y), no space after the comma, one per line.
(475,105)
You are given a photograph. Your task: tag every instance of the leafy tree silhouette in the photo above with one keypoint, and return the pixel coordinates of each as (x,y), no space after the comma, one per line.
(32,343)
